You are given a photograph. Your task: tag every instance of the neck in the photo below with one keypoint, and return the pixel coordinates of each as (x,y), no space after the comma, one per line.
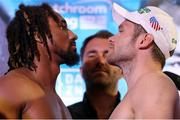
(103,102)
(46,72)
(136,68)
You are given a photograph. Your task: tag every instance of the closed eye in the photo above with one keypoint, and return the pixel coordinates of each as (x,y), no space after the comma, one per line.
(120,30)
(91,55)
(62,24)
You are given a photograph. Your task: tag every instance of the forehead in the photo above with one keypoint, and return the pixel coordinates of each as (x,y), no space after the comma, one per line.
(60,18)
(97,44)
(126,24)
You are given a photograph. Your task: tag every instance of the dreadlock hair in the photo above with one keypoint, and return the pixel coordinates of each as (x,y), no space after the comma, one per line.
(101,34)
(29,23)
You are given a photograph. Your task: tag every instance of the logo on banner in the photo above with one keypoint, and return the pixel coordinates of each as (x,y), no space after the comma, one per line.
(85,14)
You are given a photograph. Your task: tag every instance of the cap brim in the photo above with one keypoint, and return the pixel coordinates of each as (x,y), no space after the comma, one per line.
(119,13)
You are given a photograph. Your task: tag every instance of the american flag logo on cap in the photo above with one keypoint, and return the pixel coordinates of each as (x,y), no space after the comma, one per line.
(155,24)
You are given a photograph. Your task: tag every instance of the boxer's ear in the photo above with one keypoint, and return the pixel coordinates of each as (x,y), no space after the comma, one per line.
(145,41)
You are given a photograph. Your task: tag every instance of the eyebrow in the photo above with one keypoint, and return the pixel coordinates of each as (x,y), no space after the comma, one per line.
(63,21)
(91,51)
(95,51)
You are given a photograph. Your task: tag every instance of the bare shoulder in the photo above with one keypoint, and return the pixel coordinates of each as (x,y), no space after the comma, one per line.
(15,89)
(157,83)
(155,91)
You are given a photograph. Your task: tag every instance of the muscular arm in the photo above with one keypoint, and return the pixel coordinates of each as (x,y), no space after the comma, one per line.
(13,96)
(8,109)
(155,108)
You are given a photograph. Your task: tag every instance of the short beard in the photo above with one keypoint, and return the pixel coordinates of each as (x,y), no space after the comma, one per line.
(70,57)
(97,86)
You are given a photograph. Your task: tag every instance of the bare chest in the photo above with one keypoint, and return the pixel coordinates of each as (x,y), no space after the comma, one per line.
(123,110)
(46,107)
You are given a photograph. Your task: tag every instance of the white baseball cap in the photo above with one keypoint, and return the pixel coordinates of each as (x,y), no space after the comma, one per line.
(155,21)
